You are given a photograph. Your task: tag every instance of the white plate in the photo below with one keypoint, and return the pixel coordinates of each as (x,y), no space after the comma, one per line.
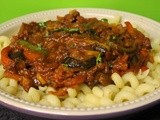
(11,27)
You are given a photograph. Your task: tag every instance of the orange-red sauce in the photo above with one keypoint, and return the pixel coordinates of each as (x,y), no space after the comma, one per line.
(73,50)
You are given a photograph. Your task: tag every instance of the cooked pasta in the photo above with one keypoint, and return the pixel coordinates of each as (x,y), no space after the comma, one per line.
(151,81)
(53,100)
(34,94)
(144,88)
(97,91)
(1,71)
(131,79)
(128,89)
(123,96)
(4,41)
(4,82)
(72,92)
(142,75)
(110,91)
(93,99)
(117,80)
(106,101)
(71,102)
(85,89)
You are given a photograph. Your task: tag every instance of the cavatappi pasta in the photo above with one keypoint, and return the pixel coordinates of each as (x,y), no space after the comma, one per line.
(123,87)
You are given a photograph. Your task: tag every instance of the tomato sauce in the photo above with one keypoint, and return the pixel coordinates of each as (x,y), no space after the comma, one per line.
(72,50)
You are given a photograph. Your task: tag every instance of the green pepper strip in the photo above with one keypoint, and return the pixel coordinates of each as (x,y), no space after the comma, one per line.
(70,30)
(37,48)
(104,20)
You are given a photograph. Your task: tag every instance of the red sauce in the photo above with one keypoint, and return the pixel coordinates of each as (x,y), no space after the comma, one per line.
(73,50)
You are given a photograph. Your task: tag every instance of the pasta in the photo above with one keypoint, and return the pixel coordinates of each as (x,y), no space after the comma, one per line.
(157,58)
(4,82)
(151,81)
(1,71)
(11,89)
(72,92)
(71,102)
(85,89)
(106,101)
(34,94)
(122,85)
(142,75)
(92,99)
(128,89)
(4,41)
(25,96)
(110,91)
(123,96)
(117,80)
(143,89)
(131,78)
(97,91)
(53,100)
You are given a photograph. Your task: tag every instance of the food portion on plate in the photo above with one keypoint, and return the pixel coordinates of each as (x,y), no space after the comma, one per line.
(75,61)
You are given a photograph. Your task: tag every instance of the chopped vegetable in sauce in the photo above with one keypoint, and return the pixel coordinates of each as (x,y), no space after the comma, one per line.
(73,50)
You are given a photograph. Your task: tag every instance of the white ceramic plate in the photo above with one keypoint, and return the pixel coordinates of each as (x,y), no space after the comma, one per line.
(11,27)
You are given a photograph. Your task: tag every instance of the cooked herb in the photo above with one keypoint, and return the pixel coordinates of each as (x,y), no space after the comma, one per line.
(113,37)
(65,65)
(99,58)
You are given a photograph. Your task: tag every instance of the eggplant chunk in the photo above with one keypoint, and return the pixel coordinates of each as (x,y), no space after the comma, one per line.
(99,48)
(74,63)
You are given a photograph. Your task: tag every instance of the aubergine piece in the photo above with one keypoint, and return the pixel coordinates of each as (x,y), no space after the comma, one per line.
(16,55)
(98,47)
(89,63)
(74,63)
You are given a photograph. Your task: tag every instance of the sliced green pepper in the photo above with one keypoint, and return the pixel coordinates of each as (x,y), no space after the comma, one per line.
(72,30)
(37,48)
(104,20)
(69,30)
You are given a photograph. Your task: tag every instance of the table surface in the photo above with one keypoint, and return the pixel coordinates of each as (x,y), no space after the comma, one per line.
(10,9)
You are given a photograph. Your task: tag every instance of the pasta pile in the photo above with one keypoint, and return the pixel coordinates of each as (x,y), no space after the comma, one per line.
(125,88)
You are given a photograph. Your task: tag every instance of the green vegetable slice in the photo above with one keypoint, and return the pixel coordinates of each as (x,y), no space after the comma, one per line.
(69,30)
(37,48)
(99,58)
(104,20)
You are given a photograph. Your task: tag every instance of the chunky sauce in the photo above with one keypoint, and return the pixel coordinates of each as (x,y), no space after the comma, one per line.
(73,50)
